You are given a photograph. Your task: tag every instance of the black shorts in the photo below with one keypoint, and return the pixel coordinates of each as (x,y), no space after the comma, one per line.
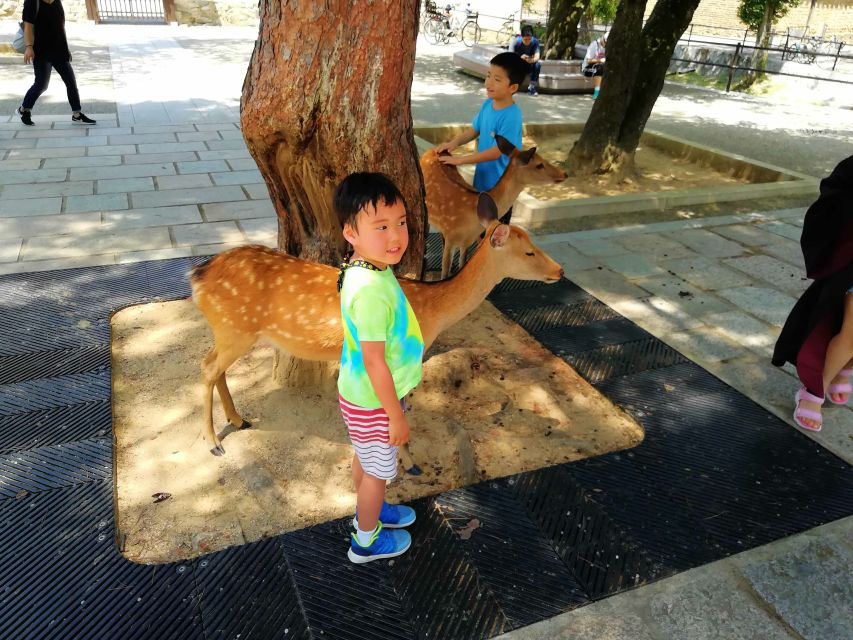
(594,70)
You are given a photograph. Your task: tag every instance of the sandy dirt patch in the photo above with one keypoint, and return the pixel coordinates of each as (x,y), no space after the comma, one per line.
(494,402)
(657,170)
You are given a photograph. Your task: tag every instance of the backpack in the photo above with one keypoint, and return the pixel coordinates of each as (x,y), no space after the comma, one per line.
(18,43)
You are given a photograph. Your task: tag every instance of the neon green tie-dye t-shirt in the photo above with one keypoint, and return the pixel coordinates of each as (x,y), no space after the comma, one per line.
(374,309)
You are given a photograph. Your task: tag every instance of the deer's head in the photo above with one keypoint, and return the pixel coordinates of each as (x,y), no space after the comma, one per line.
(516,255)
(530,168)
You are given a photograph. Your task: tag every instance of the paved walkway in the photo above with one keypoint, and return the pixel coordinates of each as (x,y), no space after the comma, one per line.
(166,173)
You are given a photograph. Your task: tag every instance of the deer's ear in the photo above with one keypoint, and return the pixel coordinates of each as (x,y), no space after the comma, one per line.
(526,156)
(499,236)
(506,147)
(487,210)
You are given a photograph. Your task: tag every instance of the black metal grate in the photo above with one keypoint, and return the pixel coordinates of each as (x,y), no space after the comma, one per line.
(714,475)
(131,11)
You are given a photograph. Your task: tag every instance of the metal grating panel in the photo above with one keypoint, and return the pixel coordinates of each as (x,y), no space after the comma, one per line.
(54,426)
(49,364)
(63,578)
(624,359)
(601,556)
(46,468)
(48,393)
(444,593)
(558,316)
(565,342)
(562,292)
(521,569)
(341,599)
(249,592)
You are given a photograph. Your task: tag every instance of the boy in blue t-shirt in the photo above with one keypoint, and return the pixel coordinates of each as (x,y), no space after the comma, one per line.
(499,115)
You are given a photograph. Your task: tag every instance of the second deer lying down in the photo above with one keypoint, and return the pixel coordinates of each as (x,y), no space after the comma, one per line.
(452,202)
(254,292)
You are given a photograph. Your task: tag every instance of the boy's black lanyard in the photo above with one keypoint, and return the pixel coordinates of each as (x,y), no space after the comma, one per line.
(346,264)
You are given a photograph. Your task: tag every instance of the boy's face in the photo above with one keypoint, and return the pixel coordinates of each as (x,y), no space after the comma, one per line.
(498,86)
(527,39)
(382,235)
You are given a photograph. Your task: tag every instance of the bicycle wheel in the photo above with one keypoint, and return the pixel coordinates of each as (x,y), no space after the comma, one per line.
(433,31)
(471,33)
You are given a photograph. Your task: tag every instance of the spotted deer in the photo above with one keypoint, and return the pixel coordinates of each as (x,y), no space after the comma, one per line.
(452,202)
(255,292)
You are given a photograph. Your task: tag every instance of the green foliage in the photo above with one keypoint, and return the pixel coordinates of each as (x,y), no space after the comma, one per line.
(751,12)
(604,10)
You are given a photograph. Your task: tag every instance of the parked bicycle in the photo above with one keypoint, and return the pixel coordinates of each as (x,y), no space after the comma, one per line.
(507,30)
(800,52)
(441,28)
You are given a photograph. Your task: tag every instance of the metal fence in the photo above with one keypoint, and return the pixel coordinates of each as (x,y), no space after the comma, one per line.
(742,58)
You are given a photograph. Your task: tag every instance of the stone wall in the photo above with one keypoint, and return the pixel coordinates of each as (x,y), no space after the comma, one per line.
(216,12)
(836,14)
(75,10)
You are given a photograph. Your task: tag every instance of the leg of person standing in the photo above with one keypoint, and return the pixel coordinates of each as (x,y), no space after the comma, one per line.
(41,69)
(67,74)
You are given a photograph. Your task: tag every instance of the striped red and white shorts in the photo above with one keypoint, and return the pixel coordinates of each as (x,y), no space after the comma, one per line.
(368,432)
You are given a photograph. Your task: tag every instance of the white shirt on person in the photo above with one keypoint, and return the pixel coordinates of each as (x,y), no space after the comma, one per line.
(594,51)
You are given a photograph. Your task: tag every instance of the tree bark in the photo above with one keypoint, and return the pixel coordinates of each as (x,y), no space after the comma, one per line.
(326,95)
(596,150)
(563,17)
(637,60)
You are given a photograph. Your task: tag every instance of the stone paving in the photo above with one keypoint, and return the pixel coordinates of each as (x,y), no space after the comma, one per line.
(166,174)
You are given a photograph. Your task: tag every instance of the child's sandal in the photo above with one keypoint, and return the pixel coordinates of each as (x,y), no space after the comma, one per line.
(841,387)
(808,414)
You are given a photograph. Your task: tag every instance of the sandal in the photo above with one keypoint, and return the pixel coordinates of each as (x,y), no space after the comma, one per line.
(841,387)
(809,414)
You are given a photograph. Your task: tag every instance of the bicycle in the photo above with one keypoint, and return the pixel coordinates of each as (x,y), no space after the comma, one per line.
(507,29)
(439,29)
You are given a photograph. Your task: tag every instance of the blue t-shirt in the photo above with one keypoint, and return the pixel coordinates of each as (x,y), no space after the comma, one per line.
(490,122)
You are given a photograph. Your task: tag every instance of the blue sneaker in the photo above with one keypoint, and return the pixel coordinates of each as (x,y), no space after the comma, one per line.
(392,516)
(383,544)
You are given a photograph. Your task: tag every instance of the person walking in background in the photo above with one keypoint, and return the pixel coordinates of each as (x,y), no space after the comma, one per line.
(527,47)
(818,335)
(593,63)
(46,49)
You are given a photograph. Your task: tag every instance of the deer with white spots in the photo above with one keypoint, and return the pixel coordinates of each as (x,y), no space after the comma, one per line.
(255,292)
(452,202)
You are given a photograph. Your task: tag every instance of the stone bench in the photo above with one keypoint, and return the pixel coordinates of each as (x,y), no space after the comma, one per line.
(556,76)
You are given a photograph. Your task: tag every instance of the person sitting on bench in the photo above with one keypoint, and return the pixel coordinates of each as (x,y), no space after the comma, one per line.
(527,47)
(593,63)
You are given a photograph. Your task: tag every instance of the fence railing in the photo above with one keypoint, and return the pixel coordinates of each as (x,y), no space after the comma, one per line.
(739,60)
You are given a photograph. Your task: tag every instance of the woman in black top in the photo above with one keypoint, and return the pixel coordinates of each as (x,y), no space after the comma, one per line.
(47,48)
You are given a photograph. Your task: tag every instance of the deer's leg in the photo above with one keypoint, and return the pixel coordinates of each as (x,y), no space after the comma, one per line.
(213,372)
(228,405)
(446,259)
(462,252)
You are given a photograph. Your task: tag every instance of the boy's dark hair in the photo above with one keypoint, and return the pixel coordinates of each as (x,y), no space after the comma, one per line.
(526,30)
(511,62)
(358,189)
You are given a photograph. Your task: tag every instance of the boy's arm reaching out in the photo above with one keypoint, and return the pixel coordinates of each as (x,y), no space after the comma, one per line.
(463,138)
(383,385)
(475,158)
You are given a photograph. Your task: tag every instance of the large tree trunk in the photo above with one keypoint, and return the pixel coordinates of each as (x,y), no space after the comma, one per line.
(630,87)
(327,93)
(596,151)
(563,17)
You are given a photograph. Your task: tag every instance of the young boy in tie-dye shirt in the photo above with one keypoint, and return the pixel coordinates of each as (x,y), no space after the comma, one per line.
(381,359)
